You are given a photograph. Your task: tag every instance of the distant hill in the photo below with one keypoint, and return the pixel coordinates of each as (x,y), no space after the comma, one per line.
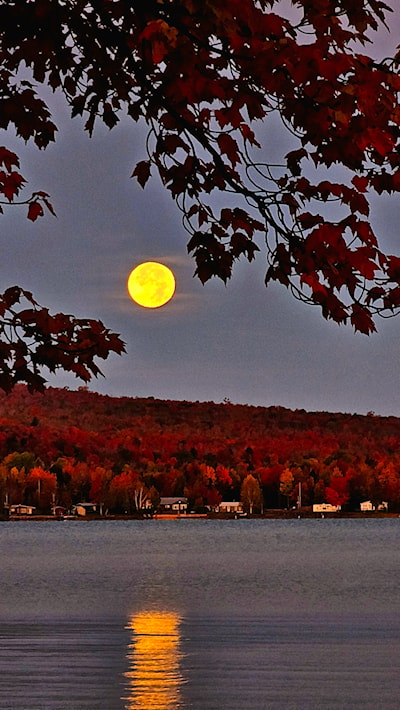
(199,449)
(92,411)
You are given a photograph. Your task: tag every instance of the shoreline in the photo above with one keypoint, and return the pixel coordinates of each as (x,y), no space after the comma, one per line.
(269,515)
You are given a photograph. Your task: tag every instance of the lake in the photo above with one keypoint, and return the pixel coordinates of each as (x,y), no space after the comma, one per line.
(200,614)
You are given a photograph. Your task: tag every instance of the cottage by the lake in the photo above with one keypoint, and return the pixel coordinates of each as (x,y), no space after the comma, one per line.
(326,508)
(173,504)
(21,509)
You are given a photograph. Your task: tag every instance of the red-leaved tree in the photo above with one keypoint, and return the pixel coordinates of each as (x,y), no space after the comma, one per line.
(210,77)
(30,337)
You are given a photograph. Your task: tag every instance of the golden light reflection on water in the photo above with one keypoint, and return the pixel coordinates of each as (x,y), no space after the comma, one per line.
(154,678)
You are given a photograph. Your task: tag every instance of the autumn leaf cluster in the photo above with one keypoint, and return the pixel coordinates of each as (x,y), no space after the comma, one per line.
(211,79)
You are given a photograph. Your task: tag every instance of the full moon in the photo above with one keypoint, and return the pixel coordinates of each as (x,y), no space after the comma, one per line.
(151,284)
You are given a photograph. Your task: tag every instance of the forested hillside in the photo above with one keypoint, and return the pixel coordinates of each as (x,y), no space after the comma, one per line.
(67,446)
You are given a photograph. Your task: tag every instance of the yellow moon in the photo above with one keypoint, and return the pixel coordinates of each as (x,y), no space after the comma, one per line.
(151,284)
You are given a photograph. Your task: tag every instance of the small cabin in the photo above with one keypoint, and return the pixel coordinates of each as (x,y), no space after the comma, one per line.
(82,509)
(230,506)
(58,510)
(173,504)
(326,508)
(367,506)
(21,509)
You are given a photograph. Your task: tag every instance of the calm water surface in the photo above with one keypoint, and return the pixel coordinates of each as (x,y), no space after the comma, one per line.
(200,615)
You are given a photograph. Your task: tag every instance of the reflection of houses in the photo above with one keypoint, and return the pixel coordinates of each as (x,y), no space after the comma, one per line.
(230,506)
(326,508)
(21,509)
(83,509)
(173,504)
(367,506)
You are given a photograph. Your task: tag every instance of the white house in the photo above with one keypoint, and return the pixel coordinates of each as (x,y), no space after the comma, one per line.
(21,509)
(174,504)
(367,506)
(83,509)
(326,508)
(230,506)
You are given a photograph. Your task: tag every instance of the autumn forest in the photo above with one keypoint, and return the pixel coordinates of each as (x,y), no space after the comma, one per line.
(65,447)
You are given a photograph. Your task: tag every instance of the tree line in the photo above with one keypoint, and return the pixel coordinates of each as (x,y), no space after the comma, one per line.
(124,454)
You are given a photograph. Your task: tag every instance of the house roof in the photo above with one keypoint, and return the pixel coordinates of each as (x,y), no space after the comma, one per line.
(169,500)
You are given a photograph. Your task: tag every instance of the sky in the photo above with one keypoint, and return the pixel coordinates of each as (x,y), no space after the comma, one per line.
(240,342)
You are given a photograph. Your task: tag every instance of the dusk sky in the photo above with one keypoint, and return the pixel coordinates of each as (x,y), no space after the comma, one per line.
(242,341)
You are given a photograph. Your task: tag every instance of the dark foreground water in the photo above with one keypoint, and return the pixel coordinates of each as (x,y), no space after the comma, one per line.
(201,615)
